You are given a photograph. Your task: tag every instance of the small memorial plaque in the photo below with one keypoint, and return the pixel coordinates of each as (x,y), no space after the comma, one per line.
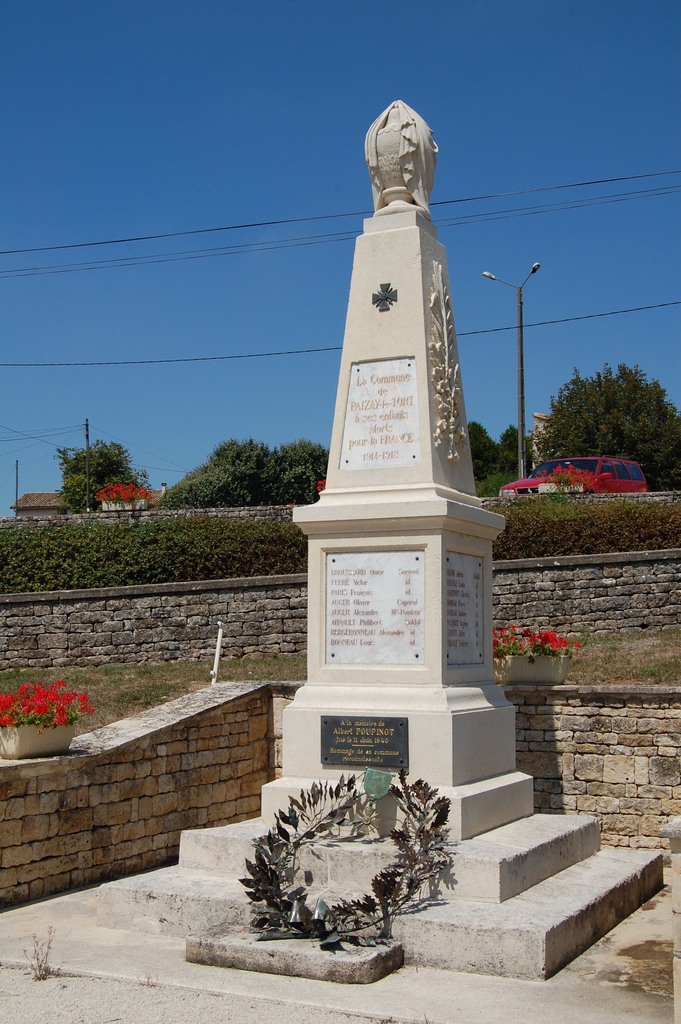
(375,608)
(365,742)
(382,416)
(464,609)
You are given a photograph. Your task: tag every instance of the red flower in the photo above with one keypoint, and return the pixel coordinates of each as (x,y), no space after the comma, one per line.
(123,493)
(46,707)
(510,640)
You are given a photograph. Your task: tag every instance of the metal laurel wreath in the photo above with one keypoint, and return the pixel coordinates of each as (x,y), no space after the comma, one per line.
(330,811)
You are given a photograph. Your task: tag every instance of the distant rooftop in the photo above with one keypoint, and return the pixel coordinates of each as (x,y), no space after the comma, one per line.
(39,499)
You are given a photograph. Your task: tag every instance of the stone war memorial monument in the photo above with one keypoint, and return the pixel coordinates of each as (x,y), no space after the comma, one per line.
(400,671)
(400,550)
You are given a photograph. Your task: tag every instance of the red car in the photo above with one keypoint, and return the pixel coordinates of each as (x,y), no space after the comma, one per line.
(604,475)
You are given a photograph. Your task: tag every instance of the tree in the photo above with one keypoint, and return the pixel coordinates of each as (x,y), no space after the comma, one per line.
(247,473)
(232,476)
(110,463)
(620,414)
(508,452)
(293,471)
(484,451)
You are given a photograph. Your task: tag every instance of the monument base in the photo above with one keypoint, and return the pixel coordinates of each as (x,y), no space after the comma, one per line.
(476,807)
(519,901)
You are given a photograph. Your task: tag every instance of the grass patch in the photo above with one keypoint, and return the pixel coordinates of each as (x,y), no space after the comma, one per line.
(122,691)
(652,657)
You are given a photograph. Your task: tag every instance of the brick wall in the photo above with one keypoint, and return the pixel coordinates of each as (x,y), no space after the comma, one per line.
(117,803)
(613,752)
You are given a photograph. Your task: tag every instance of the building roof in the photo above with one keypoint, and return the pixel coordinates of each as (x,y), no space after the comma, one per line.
(39,499)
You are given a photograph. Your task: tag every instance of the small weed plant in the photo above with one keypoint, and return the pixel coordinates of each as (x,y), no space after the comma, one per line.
(39,958)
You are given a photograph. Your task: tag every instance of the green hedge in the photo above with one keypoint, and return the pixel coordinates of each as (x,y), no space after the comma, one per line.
(543,527)
(73,557)
(79,556)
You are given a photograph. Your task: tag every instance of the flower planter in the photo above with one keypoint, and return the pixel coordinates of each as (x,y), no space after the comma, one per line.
(21,741)
(518,668)
(140,504)
(560,488)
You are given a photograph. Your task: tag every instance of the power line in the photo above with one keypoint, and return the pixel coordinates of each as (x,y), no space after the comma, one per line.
(330,348)
(306,240)
(569,319)
(329,216)
(163,469)
(175,257)
(39,435)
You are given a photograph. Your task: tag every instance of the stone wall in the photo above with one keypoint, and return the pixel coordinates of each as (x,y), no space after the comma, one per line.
(279,513)
(590,593)
(284,513)
(268,614)
(117,803)
(498,504)
(154,622)
(613,752)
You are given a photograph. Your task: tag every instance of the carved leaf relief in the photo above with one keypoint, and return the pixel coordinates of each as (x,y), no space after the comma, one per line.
(444,370)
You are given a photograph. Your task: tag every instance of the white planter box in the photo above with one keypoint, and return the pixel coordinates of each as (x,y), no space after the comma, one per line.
(125,506)
(30,741)
(519,669)
(560,488)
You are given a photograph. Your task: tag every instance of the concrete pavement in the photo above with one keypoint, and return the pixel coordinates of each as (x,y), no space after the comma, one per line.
(108,975)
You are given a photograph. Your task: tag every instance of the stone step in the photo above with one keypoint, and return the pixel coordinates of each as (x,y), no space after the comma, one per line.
(530,936)
(172,901)
(495,866)
(537,932)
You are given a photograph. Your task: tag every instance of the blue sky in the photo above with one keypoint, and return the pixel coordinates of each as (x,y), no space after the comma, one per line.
(126,119)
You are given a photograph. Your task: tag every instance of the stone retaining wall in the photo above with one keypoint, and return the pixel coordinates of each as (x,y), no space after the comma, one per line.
(268,614)
(117,803)
(613,752)
(279,513)
(590,593)
(154,622)
(284,513)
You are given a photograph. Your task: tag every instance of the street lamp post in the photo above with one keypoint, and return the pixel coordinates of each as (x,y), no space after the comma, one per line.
(522,461)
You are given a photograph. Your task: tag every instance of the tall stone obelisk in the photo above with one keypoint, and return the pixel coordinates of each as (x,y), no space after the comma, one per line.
(400,671)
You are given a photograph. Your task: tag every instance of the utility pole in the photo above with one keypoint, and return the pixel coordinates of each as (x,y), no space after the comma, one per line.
(522,460)
(16,488)
(87,466)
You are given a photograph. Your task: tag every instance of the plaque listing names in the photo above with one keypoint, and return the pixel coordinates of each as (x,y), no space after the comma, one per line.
(375,608)
(464,609)
(381,417)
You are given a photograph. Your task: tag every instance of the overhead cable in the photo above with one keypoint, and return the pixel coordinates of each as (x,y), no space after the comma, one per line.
(330,216)
(329,348)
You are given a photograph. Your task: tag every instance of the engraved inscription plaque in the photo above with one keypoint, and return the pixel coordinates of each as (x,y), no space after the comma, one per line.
(365,742)
(464,609)
(382,417)
(375,608)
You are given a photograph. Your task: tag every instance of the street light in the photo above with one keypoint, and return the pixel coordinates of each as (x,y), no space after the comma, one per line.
(521,368)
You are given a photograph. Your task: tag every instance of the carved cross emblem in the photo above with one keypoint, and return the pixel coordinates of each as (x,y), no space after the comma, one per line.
(384,298)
